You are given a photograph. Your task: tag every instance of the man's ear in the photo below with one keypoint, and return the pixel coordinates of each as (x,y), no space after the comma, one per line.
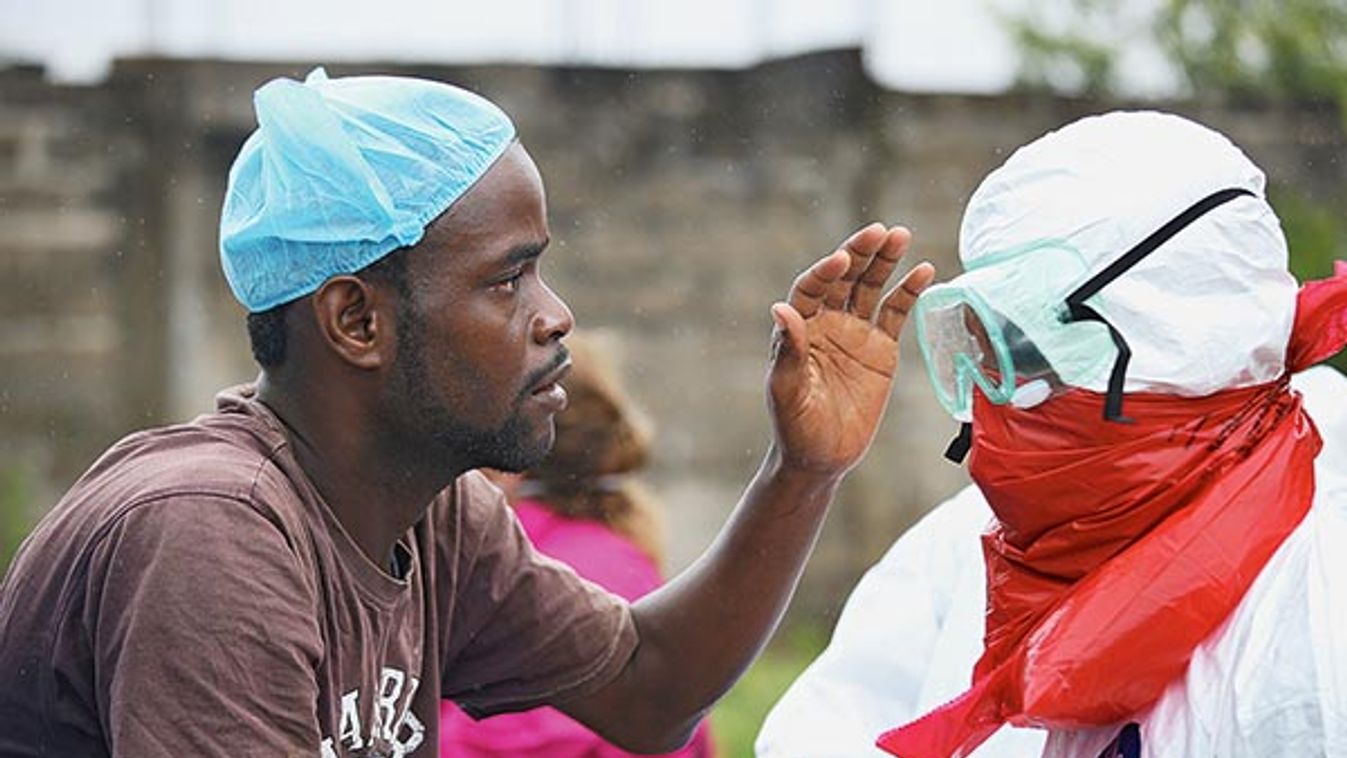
(355,320)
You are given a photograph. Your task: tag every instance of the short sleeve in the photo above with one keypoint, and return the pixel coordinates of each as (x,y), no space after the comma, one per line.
(203,631)
(524,630)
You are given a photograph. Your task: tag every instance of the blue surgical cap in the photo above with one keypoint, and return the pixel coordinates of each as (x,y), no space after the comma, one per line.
(341,172)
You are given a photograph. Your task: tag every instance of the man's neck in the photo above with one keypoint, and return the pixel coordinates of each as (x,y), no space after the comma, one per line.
(375,492)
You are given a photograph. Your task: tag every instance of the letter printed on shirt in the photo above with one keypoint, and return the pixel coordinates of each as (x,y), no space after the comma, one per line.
(410,732)
(348,731)
(386,710)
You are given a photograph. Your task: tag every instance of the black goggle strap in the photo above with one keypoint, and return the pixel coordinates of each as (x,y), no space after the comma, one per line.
(1114,399)
(959,446)
(1077,310)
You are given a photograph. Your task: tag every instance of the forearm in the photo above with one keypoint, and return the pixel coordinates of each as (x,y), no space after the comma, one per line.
(701,630)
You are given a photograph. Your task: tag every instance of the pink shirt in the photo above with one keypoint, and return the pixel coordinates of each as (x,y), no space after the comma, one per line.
(607,559)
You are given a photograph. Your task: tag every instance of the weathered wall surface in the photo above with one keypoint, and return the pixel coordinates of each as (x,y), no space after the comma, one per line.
(682,204)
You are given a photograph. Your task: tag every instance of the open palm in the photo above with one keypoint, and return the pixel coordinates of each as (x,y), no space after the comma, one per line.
(836,349)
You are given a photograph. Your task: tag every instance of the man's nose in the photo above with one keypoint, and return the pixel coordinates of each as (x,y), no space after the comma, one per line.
(554,319)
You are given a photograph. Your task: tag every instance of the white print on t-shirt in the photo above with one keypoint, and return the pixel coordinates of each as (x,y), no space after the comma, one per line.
(393,732)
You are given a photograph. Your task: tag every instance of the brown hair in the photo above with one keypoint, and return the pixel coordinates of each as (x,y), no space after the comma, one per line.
(601,438)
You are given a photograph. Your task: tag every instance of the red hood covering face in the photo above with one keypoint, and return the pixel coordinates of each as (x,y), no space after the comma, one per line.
(1118,547)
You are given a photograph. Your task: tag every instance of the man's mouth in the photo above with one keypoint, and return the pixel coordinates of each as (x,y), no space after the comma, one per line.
(549,389)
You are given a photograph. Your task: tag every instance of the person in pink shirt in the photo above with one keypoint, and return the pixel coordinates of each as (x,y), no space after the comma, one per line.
(581,507)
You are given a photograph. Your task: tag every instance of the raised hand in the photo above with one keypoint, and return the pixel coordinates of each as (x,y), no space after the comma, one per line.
(834,357)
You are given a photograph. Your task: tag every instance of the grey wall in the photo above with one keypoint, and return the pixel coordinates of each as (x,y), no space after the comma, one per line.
(682,204)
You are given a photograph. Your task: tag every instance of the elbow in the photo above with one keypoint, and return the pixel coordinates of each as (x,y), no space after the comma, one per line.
(644,724)
(654,742)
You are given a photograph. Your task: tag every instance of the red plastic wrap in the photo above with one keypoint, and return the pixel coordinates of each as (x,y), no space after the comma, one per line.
(1321,320)
(1119,548)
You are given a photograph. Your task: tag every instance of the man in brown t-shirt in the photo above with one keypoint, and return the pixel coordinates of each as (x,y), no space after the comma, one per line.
(308,569)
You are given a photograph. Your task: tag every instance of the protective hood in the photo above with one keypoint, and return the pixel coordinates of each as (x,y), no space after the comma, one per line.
(1211,308)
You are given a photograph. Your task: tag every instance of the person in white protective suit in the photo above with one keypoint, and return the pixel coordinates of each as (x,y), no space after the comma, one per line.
(1151,563)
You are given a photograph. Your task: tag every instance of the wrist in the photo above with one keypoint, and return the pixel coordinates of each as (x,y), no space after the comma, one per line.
(801,478)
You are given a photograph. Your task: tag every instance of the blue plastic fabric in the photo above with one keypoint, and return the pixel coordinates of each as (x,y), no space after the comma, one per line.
(341,172)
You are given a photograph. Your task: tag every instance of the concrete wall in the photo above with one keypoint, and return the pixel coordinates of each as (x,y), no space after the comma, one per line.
(682,204)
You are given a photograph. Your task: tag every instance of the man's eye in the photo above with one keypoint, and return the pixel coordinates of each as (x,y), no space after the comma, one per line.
(510,284)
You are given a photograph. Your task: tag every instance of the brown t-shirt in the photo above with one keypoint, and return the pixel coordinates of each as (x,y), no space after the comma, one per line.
(192,595)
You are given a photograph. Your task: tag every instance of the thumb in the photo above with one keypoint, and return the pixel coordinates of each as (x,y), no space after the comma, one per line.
(790,341)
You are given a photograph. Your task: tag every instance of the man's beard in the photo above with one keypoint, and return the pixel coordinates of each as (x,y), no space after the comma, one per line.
(509,447)
(439,437)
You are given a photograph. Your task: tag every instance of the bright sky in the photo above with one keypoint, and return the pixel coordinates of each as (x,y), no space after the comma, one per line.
(949,45)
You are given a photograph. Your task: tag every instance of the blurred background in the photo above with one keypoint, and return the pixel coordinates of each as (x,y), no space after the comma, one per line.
(697,155)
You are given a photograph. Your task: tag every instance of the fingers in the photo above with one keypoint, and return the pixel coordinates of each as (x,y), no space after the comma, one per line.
(860,248)
(865,295)
(853,277)
(810,288)
(898,303)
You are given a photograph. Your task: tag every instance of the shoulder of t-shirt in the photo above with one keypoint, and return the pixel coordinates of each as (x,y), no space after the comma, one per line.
(213,459)
(473,511)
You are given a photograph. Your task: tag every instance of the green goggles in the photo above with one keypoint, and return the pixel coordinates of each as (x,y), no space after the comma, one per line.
(1019,351)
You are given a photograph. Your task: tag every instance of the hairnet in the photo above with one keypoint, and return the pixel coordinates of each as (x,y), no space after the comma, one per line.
(1210,309)
(340,172)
